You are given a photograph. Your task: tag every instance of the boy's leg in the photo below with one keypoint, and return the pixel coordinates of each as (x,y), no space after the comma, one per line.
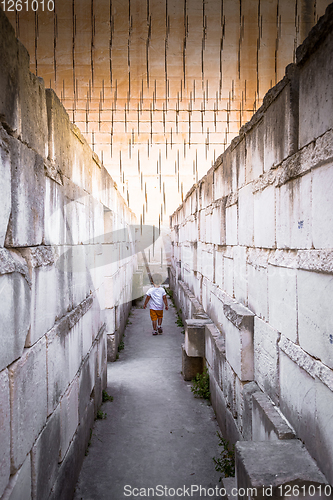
(153,317)
(154,325)
(160,319)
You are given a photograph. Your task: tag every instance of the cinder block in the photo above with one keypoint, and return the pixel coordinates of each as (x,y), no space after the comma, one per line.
(322,206)
(293,214)
(19,486)
(69,417)
(266,358)
(4,431)
(28,401)
(45,457)
(264,218)
(268,423)
(6,192)
(315,295)
(15,300)
(239,340)
(316,94)
(246,216)
(26,225)
(277,464)
(191,365)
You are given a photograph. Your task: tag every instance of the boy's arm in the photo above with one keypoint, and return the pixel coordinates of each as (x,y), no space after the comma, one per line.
(165,302)
(146,302)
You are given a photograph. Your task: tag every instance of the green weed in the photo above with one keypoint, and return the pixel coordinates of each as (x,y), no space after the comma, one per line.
(121,346)
(101,415)
(225,464)
(106,397)
(200,386)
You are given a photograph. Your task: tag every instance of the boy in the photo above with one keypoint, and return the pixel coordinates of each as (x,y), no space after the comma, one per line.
(156,296)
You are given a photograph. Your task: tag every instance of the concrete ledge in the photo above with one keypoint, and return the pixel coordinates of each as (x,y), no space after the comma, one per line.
(268,424)
(230,485)
(191,365)
(275,465)
(195,337)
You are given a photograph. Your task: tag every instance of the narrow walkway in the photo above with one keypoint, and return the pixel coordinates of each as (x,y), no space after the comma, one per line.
(156,432)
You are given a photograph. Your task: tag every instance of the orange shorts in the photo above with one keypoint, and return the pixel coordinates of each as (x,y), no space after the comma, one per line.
(154,314)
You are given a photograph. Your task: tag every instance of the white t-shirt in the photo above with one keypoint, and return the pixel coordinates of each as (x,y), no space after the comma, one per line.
(156,295)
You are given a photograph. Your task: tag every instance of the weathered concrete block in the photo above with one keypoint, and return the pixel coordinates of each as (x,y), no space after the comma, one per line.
(215,352)
(87,381)
(195,337)
(324,430)
(258,291)
(55,223)
(245,216)
(45,457)
(255,152)
(102,352)
(282,300)
(249,389)
(191,365)
(28,401)
(26,225)
(322,206)
(268,423)
(315,294)
(293,214)
(231,224)
(240,275)
(276,465)
(4,431)
(266,358)
(264,217)
(15,298)
(230,486)
(19,486)
(6,192)
(315,93)
(239,340)
(44,292)
(69,417)
(228,277)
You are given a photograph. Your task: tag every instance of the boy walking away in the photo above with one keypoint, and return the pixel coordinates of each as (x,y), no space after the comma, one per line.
(156,297)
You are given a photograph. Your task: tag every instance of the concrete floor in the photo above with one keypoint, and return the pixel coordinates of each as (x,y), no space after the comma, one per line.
(156,434)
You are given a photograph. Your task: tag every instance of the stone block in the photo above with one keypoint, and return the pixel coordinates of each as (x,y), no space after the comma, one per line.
(275,465)
(231,224)
(215,352)
(316,94)
(293,214)
(228,277)
(230,486)
(249,389)
(4,431)
(26,225)
(255,152)
(264,218)
(240,275)
(45,457)
(282,300)
(28,386)
(278,133)
(315,295)
(195,337)
(6,192)
(87,381)
(102,352)
(324,430)
(44,291)
(69,417)
(266,358)
(19,486)
(54,205)
(15,298)
(246,216)
(268,424)
(191,365)
(322,206)
(239,340)
(258,291)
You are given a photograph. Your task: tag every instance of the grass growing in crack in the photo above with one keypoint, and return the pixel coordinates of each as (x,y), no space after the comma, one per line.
(200,386)
(101,415)
(106,397)
(121,346)
(225,463)
(89,442)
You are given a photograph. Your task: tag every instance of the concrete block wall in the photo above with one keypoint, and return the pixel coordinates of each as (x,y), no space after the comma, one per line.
(252,243)
(64,288)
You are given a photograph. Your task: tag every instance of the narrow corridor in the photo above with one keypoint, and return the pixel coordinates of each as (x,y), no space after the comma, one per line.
(156,433)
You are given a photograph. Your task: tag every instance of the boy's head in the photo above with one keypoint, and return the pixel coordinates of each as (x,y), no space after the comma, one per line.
(157,279)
